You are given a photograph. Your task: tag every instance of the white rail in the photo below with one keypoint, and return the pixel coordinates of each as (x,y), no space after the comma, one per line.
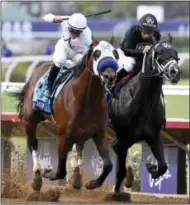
(168,89)
(13,62)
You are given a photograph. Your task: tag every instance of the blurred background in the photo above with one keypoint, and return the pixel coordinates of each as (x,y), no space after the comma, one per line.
(25,33)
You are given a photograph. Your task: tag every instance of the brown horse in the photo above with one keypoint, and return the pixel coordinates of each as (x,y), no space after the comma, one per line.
(80,112)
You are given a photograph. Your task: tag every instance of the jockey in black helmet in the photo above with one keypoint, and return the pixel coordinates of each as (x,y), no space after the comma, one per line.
(137,41)
(139,35)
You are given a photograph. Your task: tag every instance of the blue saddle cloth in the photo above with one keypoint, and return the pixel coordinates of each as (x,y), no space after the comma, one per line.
(40,101)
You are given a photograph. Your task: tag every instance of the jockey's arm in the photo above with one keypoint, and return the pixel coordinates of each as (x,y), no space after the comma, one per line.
(129,43)
(53,18)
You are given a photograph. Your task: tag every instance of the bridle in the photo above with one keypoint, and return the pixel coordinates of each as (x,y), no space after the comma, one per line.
(158,69)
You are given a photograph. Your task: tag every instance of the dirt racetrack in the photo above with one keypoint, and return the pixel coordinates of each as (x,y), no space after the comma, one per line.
(58,195)
(18,192)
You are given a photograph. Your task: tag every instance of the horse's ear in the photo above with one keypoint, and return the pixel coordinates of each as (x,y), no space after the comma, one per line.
(89,53)
(95,41)
(111,41)
(170,38)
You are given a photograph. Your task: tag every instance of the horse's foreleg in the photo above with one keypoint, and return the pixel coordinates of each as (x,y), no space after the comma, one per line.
(64,146)
(158,152)
(79,149)
(74,166)
(120,166)
(102,146)
(30,129)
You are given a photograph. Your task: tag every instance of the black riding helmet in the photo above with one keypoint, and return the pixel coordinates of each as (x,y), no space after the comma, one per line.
(148,23)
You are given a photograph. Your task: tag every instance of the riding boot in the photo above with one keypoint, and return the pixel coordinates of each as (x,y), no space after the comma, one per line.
(54,70)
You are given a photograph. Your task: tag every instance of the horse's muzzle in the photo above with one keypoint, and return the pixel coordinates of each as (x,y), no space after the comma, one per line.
(174,74)
(109,77)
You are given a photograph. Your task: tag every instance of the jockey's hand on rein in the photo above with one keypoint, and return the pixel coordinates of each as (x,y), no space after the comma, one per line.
(58,19)
(147,49)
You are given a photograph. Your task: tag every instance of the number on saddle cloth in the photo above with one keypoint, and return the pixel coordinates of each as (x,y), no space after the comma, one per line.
(43,103)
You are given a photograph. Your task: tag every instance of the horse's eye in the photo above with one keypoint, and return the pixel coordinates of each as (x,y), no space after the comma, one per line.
(96,54)
(116,54)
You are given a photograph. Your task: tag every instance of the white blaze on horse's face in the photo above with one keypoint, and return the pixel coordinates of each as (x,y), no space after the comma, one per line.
(104,55)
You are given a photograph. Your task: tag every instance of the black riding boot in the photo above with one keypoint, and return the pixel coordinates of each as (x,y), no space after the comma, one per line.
(51,78)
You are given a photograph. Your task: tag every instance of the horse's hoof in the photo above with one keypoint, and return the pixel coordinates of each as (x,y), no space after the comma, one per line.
(76,180)
(154,171)
(53,176)
(50,175)
(155,175)
(116,190)
(159,172)
(162,170)
(45,172)
(37,182)
(151,168)
(93,184)
(76,186)
(129,179)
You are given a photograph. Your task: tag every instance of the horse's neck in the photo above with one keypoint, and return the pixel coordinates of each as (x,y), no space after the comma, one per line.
(93,90)
(149,87)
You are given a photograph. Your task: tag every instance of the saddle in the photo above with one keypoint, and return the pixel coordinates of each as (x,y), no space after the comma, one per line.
(43,103)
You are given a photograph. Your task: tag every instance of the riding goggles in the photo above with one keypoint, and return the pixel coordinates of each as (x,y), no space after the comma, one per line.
(74,31)
(146,31)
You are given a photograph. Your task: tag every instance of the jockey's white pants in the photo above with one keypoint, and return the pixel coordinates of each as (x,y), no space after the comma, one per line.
(125,62)
(64,54)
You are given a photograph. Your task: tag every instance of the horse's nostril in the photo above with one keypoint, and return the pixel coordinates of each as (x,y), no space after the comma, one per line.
(173,71)
(106,76)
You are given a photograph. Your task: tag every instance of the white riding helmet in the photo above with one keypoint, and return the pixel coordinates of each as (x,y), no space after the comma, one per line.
(77,21)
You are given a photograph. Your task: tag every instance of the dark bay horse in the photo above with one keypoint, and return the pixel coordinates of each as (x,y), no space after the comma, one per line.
(80,112)
(138,113)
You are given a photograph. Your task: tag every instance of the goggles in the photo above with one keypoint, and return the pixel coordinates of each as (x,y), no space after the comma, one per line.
(74,31)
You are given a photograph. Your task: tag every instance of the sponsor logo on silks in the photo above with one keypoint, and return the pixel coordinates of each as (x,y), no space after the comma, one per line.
(149,22)
(166,45)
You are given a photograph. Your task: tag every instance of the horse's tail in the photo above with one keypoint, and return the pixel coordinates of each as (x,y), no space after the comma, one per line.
(20,97)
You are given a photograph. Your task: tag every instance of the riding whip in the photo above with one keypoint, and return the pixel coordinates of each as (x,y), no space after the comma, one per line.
(96,14)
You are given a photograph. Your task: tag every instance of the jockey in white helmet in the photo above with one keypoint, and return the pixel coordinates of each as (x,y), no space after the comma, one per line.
(76,39)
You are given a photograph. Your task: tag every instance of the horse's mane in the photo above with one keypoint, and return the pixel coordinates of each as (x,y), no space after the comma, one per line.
(79,68)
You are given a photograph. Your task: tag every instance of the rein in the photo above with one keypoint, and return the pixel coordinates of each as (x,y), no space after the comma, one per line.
(160,71)
(153,66)
(160,68)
